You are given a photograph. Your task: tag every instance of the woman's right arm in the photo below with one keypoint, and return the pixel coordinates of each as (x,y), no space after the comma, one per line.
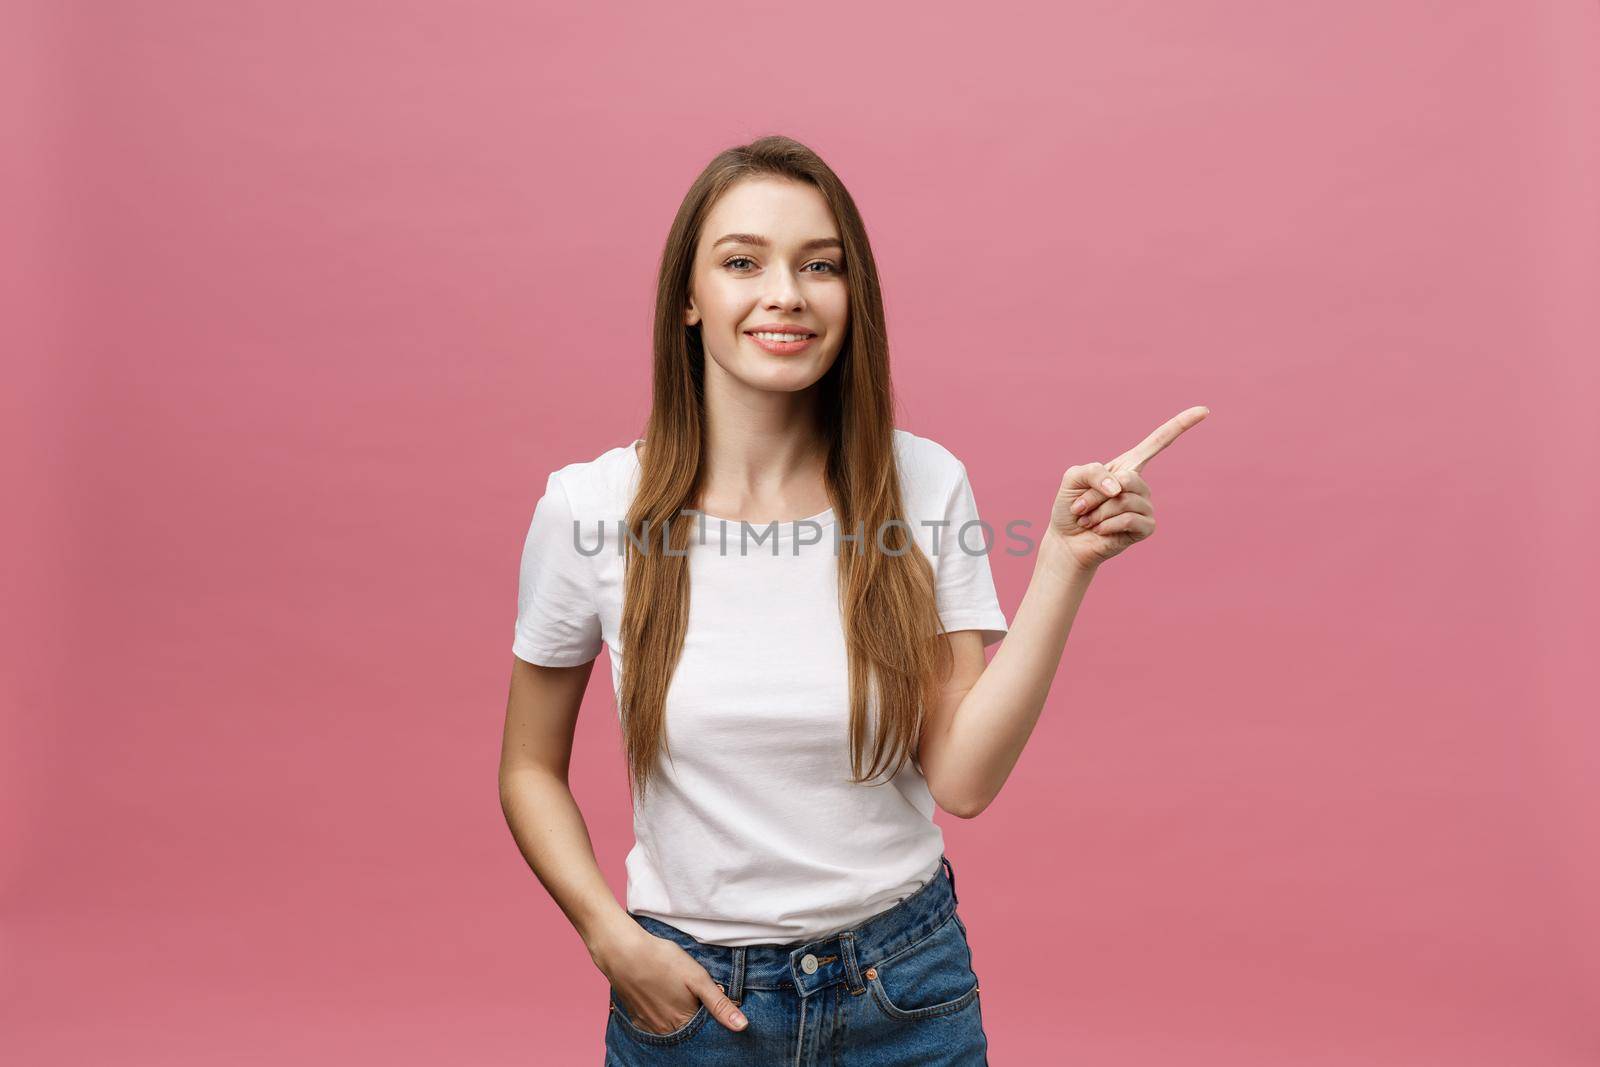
(658,981)
(535,753)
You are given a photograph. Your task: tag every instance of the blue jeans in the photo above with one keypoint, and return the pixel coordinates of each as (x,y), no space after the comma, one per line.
(898,990)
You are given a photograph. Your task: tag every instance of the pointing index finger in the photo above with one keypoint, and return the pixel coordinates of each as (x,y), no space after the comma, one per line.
(1137,456)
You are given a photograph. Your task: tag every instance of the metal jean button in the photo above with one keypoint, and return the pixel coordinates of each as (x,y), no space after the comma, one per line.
(808,963)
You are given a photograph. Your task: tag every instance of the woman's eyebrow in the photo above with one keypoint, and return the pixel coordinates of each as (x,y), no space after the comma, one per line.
(757,239)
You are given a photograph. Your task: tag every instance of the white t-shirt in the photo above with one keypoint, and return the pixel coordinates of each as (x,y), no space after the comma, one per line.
(753,832)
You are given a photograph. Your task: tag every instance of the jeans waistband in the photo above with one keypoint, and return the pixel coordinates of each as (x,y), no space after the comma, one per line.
(808,966)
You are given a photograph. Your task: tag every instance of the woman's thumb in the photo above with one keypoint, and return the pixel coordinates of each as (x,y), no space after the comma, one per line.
(723,1010)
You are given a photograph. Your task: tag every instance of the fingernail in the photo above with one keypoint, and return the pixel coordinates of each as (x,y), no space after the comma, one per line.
(1110,486)
(1077,506)
(738,1020)
(1084,521)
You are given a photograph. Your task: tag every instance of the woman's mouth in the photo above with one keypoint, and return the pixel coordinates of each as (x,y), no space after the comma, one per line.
(781,343)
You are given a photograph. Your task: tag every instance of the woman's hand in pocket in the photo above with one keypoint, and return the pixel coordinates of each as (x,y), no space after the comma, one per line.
(660,985)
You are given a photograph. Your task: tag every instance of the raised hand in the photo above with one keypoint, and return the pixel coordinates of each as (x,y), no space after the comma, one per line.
(1103,508)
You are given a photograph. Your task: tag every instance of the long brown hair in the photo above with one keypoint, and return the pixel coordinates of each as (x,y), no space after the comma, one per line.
(897,653)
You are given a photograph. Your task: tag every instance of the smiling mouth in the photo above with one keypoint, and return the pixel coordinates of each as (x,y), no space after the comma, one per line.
(782,344)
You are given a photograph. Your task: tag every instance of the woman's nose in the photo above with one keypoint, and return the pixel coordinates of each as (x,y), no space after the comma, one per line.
(784,293)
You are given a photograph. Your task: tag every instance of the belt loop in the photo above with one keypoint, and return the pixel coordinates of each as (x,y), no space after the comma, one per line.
(852,968)
(951,871)
(736,979)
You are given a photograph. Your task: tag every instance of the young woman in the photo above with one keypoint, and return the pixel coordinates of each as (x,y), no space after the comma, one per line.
(797,598)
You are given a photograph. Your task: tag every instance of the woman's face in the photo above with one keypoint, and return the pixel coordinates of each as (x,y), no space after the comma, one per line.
(756,265)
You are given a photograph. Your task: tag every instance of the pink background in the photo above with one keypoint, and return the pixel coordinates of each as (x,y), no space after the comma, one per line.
(311,297)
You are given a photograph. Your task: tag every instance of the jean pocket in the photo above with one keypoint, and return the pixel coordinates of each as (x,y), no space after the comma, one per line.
(931,978)
(681,1034)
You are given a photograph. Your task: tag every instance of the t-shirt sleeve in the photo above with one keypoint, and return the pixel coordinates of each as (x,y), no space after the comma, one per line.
(964,583)
(557,622)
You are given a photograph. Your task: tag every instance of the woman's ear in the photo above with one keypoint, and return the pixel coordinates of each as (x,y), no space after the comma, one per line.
(692,316)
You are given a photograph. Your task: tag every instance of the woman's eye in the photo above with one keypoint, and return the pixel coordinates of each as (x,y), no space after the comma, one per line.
(833,268)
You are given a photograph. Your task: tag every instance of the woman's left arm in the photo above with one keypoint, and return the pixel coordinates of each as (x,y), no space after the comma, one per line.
(973,739)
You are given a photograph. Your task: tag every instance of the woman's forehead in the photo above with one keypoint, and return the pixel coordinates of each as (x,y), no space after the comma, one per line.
(780,211)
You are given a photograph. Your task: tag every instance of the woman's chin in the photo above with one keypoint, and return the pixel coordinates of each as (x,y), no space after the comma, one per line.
(788,377)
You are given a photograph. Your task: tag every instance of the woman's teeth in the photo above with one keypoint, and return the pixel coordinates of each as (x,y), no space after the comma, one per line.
(781,336)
